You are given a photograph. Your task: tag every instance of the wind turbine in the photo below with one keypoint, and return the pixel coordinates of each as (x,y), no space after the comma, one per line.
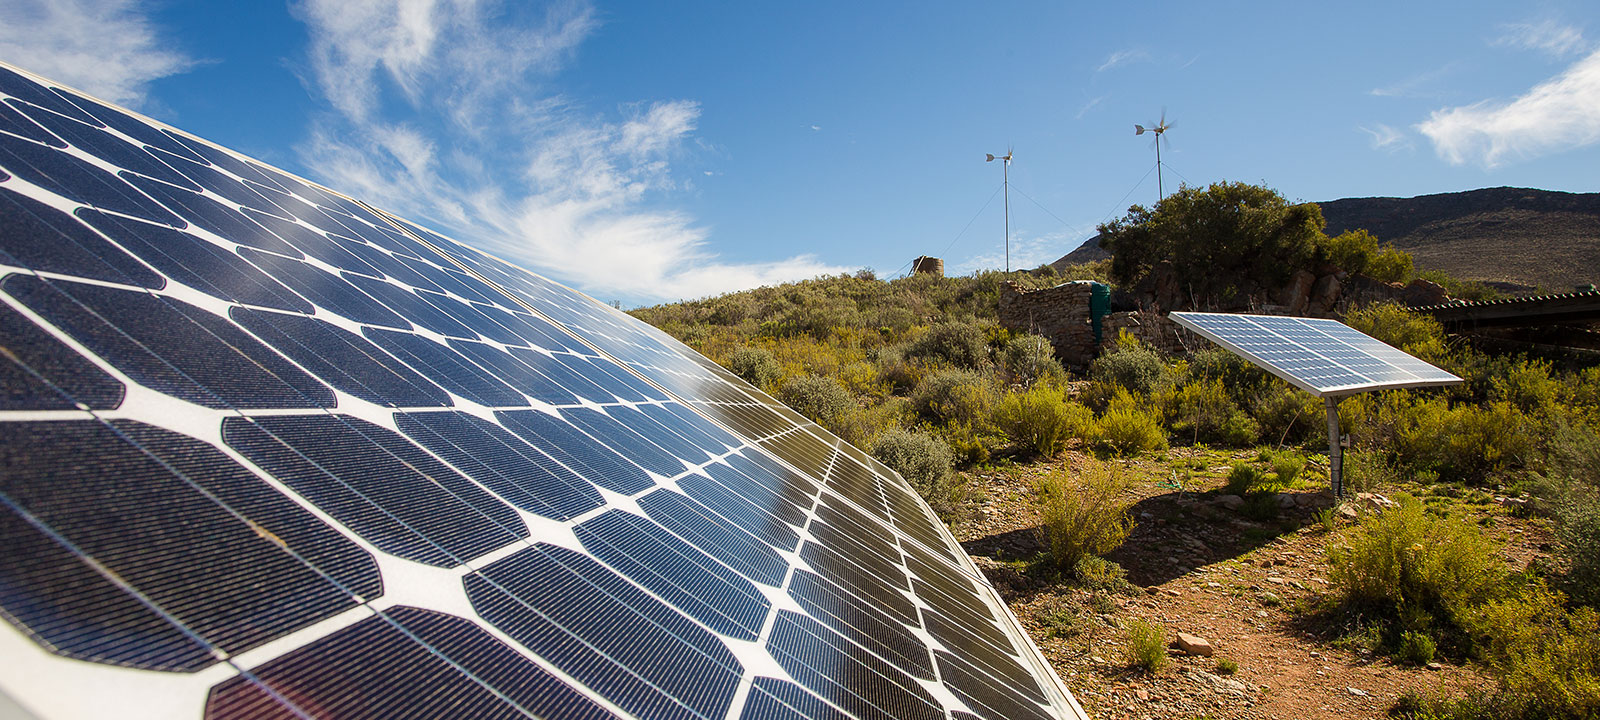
(1006,176)
(1160,129)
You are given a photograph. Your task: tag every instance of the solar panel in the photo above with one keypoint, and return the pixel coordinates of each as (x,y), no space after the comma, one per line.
(1323,357)
(269,452)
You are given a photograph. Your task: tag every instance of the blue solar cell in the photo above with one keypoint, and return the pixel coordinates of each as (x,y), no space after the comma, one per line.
(676,572)
(77,180)
(443,279)
(560,374)
(410,306)
(16,123)
(594,461)
(447,367)
(20,87)
(546,596)
(716,535)
(39,372)
(224,221)
(503,463)
(509,370)
(133,128)
(39,237)
(826,663)
(982,692)
(885,592)
(692,433)
(630,444)
(465,314)
(223,160)
(657,433)
(312,243)
(403,663)
(774,699)
(111,148)
(384,263)
(769,496)
(342,359)
(755,519)
(171,346)
(378,484)
(861,622)
(178,522)
(194,262)
(326,290)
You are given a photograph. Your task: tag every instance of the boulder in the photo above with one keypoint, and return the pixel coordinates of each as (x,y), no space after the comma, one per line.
(1297,293)
(1231,502)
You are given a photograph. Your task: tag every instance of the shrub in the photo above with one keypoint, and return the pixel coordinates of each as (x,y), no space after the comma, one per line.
(756,365)
(1082,517)
(925,462)
(1578,517)
(955,395)
(1415,648)
(1413,332)
(1287,466)
(1097,573)
(1246,479)
(1030,358)
(1203,410)
(1288,415)
(959,344)
(1547,659)
(1042,419)
(1132,366)
(1391,265)
(1227,667)
(820,398)
(1126,428)
(1147,645)
(1405,564)
(1466,441)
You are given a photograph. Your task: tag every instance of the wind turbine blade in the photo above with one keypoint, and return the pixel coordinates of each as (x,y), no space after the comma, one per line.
(1138,129)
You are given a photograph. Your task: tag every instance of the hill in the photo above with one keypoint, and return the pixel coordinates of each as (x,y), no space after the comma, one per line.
(1507,236)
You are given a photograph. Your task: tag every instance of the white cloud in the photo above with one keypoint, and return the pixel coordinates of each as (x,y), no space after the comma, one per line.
(107,48)
(1027,252)
(1423,84)
(1091,104)
(1557,115)
(1547,36)
(444,110)
(1385,137)
(1122,57)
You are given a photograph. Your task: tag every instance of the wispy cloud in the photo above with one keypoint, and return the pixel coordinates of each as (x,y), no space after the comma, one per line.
(107,48)
(1423,84)
(1547,36)
(1385,137)
(1558,114)
(445,109)
(1088,105)
(1123,57)
(1027,251)
(816,128)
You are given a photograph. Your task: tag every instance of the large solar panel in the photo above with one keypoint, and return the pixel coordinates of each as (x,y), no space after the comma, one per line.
(1323,357)
(266,451)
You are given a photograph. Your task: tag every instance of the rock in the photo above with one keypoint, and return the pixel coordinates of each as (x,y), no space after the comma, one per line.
(1275,580)
(1174,592)
(1349,512)
(1286,501)
(1297,293)
(1194,645)
(1262,614)
(1325,293)
(1375,501)
(1097,659)
(1231,502)
(1356,692)
(1435,666)
(1510,502)
(1317,500)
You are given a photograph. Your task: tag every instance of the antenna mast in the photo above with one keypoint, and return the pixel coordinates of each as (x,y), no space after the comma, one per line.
(1159,130)
(1006,177)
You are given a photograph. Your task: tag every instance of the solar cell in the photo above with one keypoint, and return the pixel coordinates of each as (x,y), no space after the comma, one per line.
(1323,357)
(273,453)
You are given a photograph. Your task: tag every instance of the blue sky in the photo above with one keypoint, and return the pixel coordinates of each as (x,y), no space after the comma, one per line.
(654,151)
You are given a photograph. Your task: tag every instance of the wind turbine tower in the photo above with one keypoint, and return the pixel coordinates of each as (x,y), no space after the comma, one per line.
(1160,130)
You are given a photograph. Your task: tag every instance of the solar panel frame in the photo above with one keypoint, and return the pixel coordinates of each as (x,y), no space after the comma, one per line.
(1320,356)
(656,370)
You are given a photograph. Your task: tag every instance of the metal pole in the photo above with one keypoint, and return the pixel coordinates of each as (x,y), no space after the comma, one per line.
(1006,174)
(1161,194)
(1335,448)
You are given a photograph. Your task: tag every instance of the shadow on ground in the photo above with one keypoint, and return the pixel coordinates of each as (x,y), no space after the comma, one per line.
(1177,532)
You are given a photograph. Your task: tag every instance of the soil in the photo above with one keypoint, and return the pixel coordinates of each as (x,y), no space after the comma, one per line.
(1243,579)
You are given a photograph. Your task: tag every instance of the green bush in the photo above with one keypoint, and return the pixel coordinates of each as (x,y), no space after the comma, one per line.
(1082,517)
(1392,265)
(1203,410)
(1286,466)
(1288,415)
(1132,366)
(1546,658)
(1415,648)
(1578,527)
(1465,442)
(756,365)
(1409,566)
(1246,479)
(958,344)
(822,399)
(1097,573)
(1042,419)
(1147,645)
(925,462)
(1127,428)
(1030,358)
(1227,667)
(955,395)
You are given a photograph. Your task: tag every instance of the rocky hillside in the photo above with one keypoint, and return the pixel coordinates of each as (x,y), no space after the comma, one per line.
(1508,236)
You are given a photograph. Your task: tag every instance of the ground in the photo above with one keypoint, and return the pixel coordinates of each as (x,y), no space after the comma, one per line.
(1200,567)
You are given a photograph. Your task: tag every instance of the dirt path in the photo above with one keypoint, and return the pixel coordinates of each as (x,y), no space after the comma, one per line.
(1203,568)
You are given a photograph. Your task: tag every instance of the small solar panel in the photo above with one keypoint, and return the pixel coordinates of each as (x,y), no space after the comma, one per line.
(266,451)
(1323,357)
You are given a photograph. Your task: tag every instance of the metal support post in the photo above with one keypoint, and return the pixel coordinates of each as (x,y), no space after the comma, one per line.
(1335,447)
